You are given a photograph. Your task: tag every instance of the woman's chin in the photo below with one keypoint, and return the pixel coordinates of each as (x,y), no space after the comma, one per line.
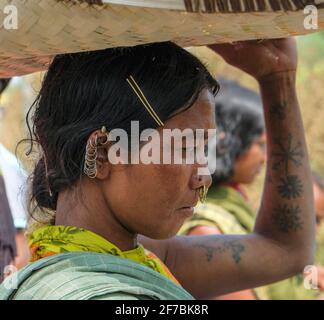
(169,228)
(166,234)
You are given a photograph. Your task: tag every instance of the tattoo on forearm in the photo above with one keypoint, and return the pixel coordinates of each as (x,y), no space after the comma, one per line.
(287,218)
(288,152)
(290,187)
(235,246)
(279,111)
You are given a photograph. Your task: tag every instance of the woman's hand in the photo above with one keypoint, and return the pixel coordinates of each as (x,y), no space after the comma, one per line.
(261,59)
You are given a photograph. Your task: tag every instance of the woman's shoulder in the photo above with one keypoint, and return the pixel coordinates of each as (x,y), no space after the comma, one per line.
(86,276)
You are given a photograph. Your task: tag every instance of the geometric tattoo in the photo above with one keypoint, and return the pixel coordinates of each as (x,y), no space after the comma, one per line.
(234,246)
(287,218)
(279,111)
(291,152)
(291,187)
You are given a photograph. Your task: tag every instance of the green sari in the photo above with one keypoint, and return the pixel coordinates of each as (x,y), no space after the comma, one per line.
(89,276)
(75,263)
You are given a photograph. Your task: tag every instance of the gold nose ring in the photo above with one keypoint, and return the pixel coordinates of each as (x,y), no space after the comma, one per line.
(203,193)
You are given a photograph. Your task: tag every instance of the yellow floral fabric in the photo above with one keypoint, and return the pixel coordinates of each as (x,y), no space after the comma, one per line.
(51,240)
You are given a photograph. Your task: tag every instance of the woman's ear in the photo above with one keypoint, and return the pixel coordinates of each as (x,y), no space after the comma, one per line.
(103,165)
(96,158)
(102,154)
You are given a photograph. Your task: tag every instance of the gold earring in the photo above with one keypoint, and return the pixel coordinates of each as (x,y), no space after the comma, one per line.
(105,132)
(90,163)
(203,193)
(90,159)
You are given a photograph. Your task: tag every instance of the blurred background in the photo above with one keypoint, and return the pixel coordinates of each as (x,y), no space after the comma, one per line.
(22,91)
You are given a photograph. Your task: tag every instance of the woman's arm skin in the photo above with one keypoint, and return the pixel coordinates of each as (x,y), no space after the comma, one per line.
(239,295)
(282,243)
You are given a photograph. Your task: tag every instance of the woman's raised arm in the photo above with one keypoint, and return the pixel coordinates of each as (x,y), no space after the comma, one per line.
(282,243)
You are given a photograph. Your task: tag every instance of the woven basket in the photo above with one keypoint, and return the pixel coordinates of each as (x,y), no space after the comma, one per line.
(49,27)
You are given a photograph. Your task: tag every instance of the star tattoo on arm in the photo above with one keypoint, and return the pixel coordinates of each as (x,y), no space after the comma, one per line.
(292,152)
(290,187)
(279,111)
(287,218)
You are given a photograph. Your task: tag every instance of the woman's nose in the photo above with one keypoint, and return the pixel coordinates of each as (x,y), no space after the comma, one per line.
(199,181)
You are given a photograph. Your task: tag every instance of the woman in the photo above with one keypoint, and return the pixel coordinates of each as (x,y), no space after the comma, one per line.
(14,251)
(240,156)
(8,248)
(101,206)
(7,233)
(15,182)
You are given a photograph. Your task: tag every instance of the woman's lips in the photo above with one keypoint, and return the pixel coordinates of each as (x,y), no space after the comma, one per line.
(187,211)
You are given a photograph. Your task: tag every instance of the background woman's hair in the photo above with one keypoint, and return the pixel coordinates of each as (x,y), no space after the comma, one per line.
(3,84)
(82,92)
(239,120)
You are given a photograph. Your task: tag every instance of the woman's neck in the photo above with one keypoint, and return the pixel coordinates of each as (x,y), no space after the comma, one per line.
(86,208)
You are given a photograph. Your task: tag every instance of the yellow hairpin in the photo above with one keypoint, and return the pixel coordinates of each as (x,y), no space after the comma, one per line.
(131,81)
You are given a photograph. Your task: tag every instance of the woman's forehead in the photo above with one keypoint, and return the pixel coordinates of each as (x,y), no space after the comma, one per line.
(201,115)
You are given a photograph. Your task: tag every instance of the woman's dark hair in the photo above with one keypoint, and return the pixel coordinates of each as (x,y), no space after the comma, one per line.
(82,92)
(4,82)
(239,120)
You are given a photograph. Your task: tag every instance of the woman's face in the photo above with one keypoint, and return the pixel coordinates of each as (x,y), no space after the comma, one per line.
(155,199)
(249,164)
(319,203)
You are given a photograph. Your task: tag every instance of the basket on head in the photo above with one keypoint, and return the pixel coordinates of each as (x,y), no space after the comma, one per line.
(49,27)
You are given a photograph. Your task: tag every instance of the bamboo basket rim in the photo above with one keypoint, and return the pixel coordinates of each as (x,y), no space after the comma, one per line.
(50,27)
